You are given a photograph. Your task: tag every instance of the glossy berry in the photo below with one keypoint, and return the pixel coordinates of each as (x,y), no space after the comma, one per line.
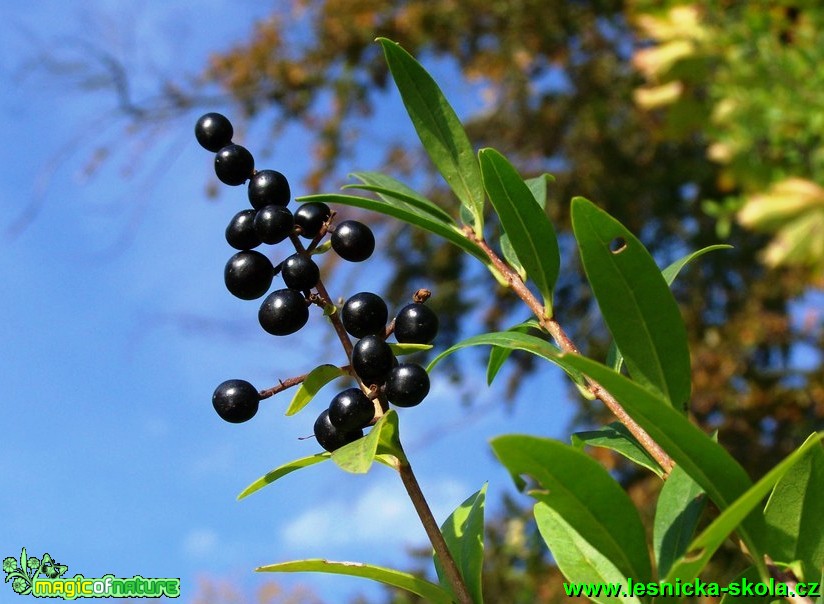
(269,187)
(351,410)
(364,314)
(213,131)
(407,385)
(234,165)
(310,218)
(416,324)
(236,401)
(329,437)
(372,359)
(284,311)
(300,272)
(353,241)
(240,233)
(248,275)
(273,223)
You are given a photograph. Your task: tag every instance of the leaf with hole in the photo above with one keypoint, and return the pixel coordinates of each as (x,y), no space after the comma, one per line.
(439,129)
(388,576)
(463,532)
(309,388)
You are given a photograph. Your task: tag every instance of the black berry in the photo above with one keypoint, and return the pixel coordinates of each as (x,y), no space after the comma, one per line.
(269,187)
(416,324)
(329,437)
(273,223)
(364,314)
(248,275)
(372,359)
(240,233)
(300,272)
(310,218)
(351,410)
(234,165)
(353,241)
(213,131)
(284,311)
(236,401)
(407,385)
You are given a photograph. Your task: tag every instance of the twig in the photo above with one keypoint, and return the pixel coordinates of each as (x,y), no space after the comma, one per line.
(789,579)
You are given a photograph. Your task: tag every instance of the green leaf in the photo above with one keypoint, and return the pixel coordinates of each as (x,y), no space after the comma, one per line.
(677,512)
(388,576)
(579,489)
(499,355)
(705,545)
(439,129)
(616,437)
(400,350)
(704,460)
(463,532)
(795,515)
(511,257)
(357,457)
(538,187)
(614,357)
(386,186)
(282,471)
(530,232)
(751,576)
(315,380)
(578,560)
(403,211)
(636,303)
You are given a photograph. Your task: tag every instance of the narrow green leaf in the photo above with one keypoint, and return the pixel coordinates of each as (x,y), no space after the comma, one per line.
(282,471)
(614,357)
(579,489)
(386,186)
(388,576)
(578,560)
(636,303)
(538,187)
(403,211)
(463,532)
(705,545)
(357,457)
(499,355)
(751,576)
(511,257)
(703,459)
(530,232)
(439,129)
(308,389)
(616,437)
(677,512)
(400,350)
(795,515)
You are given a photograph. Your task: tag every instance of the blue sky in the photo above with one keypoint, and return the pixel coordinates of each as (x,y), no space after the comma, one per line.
(118,327)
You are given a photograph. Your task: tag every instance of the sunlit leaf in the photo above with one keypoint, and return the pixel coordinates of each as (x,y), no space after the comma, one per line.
(538,186)
(616,437)
(386,186)
(400,350)
(498,355)
(357,457)
(308,389)
(281,471)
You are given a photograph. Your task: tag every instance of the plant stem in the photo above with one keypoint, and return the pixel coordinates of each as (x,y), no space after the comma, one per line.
(566,344)
(430,525)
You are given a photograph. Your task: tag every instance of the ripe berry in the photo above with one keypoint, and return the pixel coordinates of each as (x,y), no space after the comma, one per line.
(353,241)
(240,233)
(236,401)
(372,359)
(310,218)
(329,437)
(300,272)
(213,131)
(273,223)
(269,187)
(416,324)
(407,385)
(248,275)
(351,410)
(234,165)
(364,314)
(284,311)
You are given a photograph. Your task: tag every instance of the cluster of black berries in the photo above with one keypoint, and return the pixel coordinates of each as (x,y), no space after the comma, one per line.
(249,274)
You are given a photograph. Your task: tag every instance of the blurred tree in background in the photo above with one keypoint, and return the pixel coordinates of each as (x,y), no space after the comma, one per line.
(692,123)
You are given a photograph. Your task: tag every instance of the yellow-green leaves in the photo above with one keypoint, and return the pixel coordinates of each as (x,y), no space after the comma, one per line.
(636,302)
